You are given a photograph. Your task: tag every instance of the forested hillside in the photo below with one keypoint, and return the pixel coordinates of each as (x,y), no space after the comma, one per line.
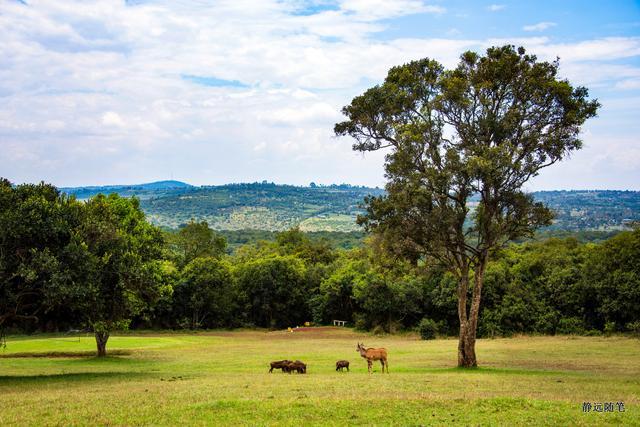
(272,207)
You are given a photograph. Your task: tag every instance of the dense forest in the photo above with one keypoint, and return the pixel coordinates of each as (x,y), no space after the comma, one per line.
(101,265)
(272,207)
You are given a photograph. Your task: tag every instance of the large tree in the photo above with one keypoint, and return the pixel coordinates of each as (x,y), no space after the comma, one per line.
(124,257)
(40,252)
(463,142)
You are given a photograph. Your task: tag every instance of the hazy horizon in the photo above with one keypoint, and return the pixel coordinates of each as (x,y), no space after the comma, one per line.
(307,185)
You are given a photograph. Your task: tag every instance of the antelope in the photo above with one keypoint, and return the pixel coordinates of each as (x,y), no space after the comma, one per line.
(372,354)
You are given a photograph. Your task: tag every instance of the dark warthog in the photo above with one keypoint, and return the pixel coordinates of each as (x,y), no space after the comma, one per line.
(280,364)
(341,364)
(297,366)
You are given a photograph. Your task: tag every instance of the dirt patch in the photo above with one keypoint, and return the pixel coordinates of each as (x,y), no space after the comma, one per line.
(319,329)
(65,354)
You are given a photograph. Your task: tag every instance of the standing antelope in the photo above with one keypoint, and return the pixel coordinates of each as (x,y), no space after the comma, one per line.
(372,354)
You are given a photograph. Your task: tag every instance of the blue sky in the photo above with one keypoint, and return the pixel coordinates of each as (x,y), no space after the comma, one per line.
(211,92)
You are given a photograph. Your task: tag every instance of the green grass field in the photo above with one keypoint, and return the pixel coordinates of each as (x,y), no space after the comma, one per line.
(222,378)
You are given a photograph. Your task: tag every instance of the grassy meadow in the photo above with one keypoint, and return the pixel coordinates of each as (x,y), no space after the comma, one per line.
(221,378)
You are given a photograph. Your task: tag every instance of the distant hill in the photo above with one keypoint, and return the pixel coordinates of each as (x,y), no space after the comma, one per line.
(272,207)
(142,191)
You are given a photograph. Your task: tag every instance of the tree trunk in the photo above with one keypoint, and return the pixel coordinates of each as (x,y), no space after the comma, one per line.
(101,342)
(467,347)
(469,324)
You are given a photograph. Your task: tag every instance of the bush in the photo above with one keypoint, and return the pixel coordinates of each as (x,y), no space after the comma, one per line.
(634,328)
(570,326)
(609,328)
(490,324)
(428,329)
(443,328)
(378,330)
(360,322)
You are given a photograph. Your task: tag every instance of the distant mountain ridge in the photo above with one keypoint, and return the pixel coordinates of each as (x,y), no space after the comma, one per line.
(156,185)
(274,207)
(125,190)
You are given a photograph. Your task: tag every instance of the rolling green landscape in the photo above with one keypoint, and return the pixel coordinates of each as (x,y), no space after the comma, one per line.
(222,378)
(272,207)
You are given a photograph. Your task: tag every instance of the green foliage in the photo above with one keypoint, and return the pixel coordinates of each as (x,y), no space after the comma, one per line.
(570,326)
(634,328)
(336,299)
(195,240)
(428,329)
(206,295)
(160,314)
(609,328)
(41,255)
(612,279)
(274,291)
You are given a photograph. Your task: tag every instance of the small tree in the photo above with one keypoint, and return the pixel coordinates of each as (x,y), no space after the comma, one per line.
(481,130)
(124,252)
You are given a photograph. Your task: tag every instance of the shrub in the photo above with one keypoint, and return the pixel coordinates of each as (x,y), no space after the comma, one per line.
(634,328)
(609,328)
(428,329)
(570,326)
(360,322)
(547,322)
(378,330)
(490,324)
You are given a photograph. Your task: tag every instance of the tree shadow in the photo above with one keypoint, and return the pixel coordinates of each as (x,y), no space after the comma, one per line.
(62,354)
(14,380)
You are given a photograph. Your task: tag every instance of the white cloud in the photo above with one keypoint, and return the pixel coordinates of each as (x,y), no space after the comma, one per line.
(540,26)
(495,7)
(111,118)
(603,49)
(384,9)
(92,91)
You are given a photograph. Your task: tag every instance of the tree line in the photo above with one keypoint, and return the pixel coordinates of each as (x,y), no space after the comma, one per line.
(102,266)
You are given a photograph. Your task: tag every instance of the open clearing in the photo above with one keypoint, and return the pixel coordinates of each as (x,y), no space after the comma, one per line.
(222,378)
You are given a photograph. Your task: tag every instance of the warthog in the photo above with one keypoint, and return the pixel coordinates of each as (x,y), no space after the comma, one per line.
(298,366)
(280,364)
(341,364)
